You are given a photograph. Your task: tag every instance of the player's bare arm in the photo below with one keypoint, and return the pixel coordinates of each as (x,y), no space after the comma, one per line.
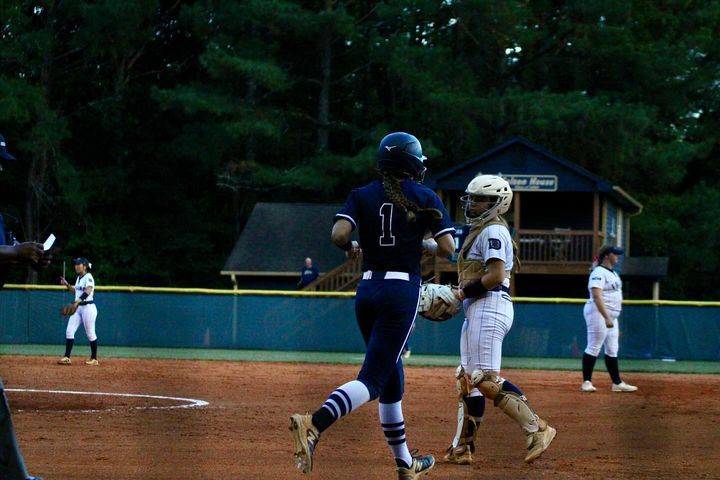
(340,236)
(600,303)
(69,287)
(87,292)
(446,245)
(494,276)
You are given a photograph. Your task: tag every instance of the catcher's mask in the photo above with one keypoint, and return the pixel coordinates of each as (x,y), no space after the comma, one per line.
(401,154)
(487,197)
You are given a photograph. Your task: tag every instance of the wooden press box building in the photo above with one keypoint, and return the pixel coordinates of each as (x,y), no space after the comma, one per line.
(560,215)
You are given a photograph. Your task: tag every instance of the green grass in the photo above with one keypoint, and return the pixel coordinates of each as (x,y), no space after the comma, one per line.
(628,365)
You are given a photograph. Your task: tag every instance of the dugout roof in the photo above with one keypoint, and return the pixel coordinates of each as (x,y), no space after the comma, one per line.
(279,236)
(534,169)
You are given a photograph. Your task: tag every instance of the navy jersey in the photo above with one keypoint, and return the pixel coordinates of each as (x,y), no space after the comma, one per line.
(388,241)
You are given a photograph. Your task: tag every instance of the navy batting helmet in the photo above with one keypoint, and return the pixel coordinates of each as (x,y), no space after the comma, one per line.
(401,153)
(82,261)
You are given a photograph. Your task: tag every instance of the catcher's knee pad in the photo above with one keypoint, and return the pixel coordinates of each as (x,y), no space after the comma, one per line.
(487,382)
(516,407)
(462,382)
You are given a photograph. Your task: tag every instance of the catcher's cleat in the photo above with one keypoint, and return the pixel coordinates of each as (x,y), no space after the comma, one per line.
(587,386)
(539,441)
(64,361)
(92,361)
(623,387)
(459,455)
(421,465)
(305,438)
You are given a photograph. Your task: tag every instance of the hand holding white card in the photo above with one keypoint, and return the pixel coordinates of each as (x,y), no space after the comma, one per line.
(49,242)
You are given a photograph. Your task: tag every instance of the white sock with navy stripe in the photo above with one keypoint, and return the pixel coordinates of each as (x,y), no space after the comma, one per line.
(393,425)
(347,398)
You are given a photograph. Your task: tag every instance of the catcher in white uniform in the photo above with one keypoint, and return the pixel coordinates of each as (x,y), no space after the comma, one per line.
(82,310)
(484,266)
(601,316)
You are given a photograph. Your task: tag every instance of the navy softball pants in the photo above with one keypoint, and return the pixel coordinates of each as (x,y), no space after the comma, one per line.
(385,312)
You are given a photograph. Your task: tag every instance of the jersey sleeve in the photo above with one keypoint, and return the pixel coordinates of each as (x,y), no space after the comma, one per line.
(597,279)
(440,226)
(491,243)
(349,211)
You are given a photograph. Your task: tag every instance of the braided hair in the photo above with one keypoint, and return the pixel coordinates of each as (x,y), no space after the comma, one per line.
(392,185)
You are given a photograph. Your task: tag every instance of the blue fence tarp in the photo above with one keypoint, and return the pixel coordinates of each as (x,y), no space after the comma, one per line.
(328,324)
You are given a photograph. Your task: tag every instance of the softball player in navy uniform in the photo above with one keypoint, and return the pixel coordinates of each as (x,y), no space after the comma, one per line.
(86,312)
(392,217)
(601,314)
(485,262)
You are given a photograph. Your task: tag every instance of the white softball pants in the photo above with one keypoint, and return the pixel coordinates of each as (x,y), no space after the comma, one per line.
(487,321)
(598,334)
(87,315)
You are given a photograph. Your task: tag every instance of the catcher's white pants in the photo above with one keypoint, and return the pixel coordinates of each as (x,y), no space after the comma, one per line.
(87,315)
(487,321)
(598,334)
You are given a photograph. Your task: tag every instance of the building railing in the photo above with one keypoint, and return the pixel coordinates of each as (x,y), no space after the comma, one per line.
(556,246)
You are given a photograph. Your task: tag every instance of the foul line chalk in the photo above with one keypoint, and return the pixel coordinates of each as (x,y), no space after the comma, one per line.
(190,402)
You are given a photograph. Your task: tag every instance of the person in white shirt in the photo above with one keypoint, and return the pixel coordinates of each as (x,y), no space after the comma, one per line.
(86,312)
(601,316)
(485,264)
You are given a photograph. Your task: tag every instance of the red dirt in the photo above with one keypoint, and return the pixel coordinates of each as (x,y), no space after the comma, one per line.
(669,429)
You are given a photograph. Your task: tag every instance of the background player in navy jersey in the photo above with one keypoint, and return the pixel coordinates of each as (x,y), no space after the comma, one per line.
(392,217)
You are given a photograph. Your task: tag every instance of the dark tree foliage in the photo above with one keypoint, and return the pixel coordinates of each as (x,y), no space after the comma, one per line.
(147,129)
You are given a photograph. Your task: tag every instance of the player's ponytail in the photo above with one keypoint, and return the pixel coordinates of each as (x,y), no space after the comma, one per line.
(595,263)
(393,189)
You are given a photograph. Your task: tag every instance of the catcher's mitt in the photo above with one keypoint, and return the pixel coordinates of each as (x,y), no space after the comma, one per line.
(437,302)
(68,309)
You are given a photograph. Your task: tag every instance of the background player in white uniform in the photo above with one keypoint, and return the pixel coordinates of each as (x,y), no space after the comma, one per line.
(601,316)
(86,312)
(484,265)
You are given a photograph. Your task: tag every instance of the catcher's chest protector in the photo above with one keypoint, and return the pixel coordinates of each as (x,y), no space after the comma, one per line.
(471,269)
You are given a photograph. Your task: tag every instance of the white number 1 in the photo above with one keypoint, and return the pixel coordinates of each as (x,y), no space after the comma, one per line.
(387,239)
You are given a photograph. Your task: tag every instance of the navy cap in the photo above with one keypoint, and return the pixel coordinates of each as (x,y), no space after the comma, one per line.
(3,150)
(605,250)
(80,260)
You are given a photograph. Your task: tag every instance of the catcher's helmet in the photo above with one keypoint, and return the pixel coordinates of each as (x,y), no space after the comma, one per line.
(499,193)
(401,153)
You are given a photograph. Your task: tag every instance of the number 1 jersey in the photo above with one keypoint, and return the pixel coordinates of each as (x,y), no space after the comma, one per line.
(389,242)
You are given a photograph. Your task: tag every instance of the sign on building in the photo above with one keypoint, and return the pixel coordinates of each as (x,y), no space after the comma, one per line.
(532,183)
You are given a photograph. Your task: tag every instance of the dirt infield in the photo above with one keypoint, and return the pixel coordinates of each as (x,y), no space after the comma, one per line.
(669,429)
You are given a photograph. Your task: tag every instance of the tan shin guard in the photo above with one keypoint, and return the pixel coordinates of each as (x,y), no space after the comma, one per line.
(516,407)
(467,425)
(512,404)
